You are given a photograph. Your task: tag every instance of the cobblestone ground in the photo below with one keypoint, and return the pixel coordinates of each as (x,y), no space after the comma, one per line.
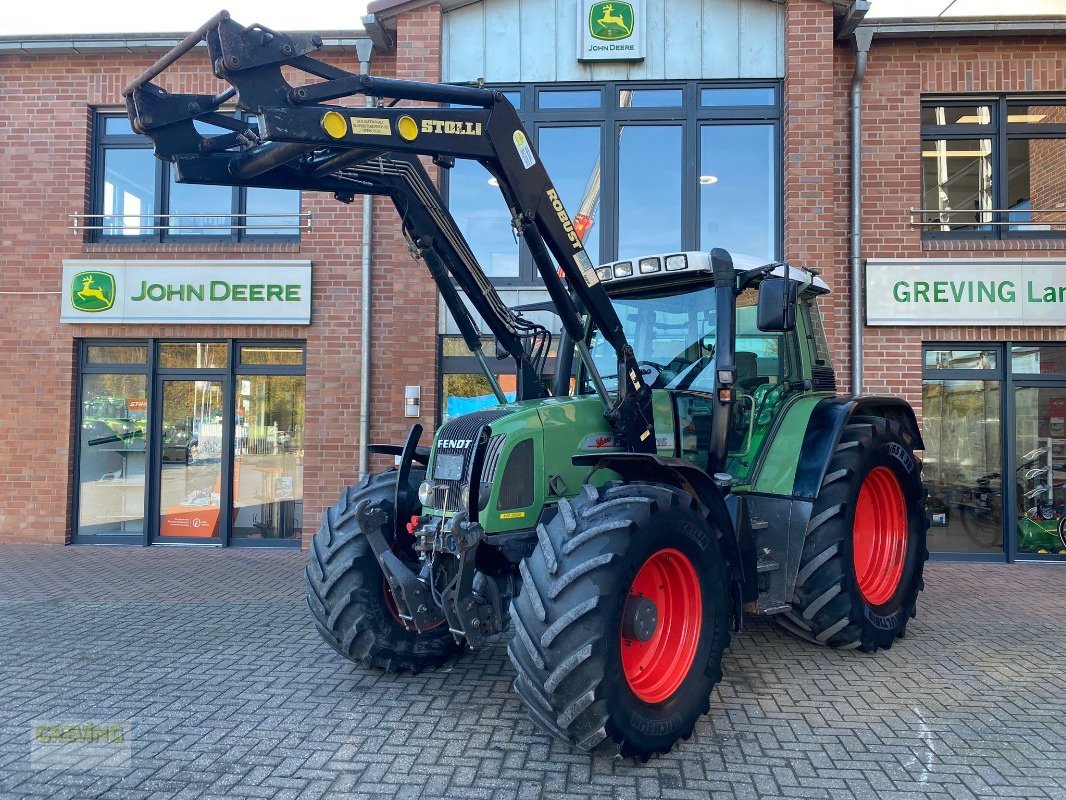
(228,692)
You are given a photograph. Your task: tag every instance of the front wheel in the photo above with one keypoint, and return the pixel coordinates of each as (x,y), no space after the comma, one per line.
(622,620)
(865,549)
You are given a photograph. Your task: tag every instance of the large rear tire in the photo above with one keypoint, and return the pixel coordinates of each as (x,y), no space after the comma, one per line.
(622,620)
(865,549)
(347,594)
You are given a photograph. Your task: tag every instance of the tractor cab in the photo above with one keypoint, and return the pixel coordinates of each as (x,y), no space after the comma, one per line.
(669,309)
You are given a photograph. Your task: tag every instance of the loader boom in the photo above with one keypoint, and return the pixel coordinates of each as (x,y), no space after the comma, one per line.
(300,142)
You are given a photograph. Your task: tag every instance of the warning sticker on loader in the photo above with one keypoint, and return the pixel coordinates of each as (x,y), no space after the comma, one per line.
(525,152)
(371,126)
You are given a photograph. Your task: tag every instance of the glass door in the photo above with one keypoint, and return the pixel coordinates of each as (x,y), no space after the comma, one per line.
(1040,441)
(189,452)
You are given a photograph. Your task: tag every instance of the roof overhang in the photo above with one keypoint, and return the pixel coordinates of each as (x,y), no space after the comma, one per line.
(959,27)
(91,44)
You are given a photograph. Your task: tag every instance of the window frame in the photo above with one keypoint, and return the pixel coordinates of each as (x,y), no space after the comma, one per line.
(1001,132)
(103,141)
(609,116)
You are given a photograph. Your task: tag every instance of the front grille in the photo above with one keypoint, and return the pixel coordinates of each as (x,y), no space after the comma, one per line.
(461,429)
(823,379)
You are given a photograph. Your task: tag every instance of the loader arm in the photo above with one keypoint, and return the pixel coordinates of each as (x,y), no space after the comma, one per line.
(302,141)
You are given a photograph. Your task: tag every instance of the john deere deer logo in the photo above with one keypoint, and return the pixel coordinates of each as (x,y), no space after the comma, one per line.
(611,21)
(93,291)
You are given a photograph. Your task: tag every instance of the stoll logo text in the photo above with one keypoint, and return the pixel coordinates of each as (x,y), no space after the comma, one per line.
(92,291)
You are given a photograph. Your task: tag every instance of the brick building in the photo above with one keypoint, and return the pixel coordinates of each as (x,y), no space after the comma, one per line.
(726,125)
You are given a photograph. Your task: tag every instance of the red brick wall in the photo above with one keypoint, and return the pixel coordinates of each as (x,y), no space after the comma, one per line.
(44,146)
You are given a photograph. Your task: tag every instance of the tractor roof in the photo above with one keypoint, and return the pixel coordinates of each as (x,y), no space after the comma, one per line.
(669,267)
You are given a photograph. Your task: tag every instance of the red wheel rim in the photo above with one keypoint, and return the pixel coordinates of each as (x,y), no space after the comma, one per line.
(879,536)
(656,668)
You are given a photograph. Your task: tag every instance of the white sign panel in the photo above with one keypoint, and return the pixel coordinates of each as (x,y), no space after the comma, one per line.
(612,31)
(957,291)
(186,291)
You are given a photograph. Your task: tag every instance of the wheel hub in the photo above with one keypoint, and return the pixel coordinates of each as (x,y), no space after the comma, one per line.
(640,617)
(661,624)
(879,536)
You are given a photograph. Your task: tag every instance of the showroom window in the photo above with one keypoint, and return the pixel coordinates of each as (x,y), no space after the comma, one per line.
(190,441)
(993,167)
(994,425)
(642,168)
(135,197)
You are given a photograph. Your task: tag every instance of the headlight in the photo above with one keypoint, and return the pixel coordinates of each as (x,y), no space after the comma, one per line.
(464,496)
(425,493)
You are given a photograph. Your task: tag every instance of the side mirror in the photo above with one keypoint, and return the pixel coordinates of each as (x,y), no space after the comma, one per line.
(777,304)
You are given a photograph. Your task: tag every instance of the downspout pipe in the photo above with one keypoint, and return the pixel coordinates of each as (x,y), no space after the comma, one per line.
(863,37)
(364,49)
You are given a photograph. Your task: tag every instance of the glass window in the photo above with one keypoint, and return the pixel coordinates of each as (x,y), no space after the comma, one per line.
(749,96)
(479,209)
(466,392)
(736,186)
(1035,359)
(268,456)
(961,359)
(208,209)
(572,157)
(129,198)
(650,98)
(270,355)
(1036,113)
(961,467)
(1036,179)
(956,115)
(193,355)
(1040,431)
(111,458)
(117,354)
(957,183)
(127,203)
(649,189)
(585,98)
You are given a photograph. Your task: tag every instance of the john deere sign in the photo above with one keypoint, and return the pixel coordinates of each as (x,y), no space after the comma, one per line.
(956,291)
(611,31)
(187,291)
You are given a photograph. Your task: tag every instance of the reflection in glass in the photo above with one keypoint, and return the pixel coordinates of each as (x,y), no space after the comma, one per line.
(1040,415)
(957,184)
(271,202)
(269,454)
(464,393)
(117,354)
(190,480)
(1035,359)
(960,359)
(1036,114)
(737,197)
(651,98)
(961,468)
(481,212)
(271,355)
(572,155)
(111,461)
(956,115)
(585,98)
(208,209)
(649,189)
(1035,187)
(128,192)
(193,355)
(118,126)
(749,96)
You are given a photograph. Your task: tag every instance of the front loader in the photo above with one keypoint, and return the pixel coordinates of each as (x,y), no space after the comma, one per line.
(691,462)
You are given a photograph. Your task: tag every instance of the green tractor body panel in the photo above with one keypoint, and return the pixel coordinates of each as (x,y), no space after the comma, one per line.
(776,473)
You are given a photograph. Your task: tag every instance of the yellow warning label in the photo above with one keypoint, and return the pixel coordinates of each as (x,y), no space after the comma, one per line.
(371,126)
(512,515)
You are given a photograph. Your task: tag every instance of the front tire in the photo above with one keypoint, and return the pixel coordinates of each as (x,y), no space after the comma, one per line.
(865,549)
(347,594)
(622,620)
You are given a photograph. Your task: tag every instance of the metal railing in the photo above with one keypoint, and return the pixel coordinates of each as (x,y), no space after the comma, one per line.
(119,224)
(982,217)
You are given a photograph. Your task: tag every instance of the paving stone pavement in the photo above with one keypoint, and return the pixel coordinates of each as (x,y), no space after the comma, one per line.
(210,657)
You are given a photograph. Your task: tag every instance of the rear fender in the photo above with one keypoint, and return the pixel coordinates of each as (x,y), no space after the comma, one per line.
(826,426)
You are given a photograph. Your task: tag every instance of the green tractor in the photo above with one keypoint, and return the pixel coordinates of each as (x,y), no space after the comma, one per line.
(690,463)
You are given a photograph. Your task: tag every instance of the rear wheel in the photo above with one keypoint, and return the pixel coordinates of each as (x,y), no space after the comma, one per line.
(347,594)
(865,549)
(622,620)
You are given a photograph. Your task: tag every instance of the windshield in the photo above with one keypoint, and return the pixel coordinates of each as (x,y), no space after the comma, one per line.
(672,335)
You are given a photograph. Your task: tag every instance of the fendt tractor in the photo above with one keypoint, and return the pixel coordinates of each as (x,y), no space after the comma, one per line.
(689,463)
